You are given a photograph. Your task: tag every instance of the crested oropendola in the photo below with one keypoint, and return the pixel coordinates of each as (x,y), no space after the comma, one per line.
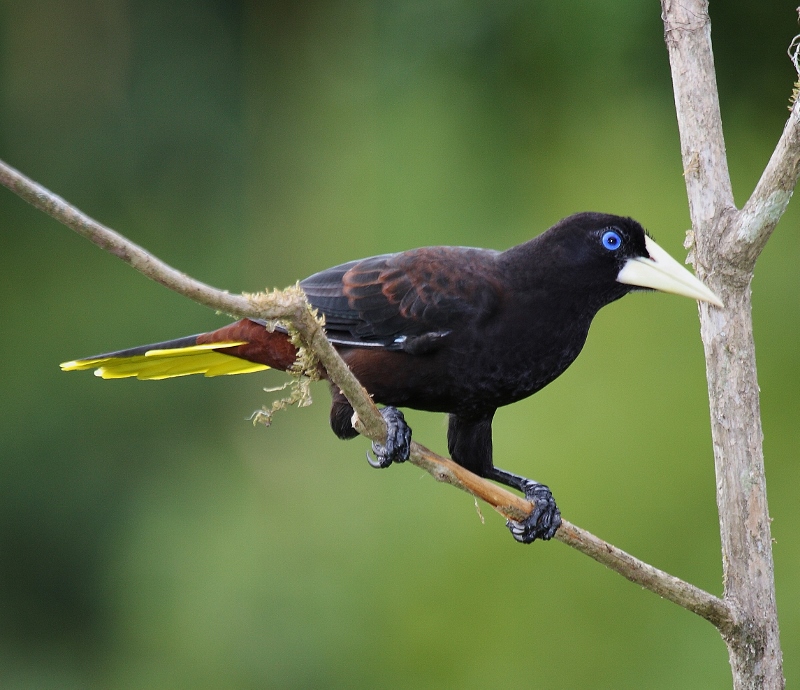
(446,329)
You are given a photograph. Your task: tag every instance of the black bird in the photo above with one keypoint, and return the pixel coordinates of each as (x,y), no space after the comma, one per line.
(446,329)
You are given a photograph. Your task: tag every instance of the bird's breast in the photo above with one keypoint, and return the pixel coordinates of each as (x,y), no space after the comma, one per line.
(474,369)
(512,368)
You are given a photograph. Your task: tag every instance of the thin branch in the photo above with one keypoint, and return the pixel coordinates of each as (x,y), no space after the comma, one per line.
(696,600)
(106,238)
(768,201)
(291,307)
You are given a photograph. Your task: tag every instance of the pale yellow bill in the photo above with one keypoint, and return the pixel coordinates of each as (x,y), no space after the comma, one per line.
(661,272)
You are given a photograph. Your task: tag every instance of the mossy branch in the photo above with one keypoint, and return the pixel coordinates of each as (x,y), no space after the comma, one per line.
(291,308)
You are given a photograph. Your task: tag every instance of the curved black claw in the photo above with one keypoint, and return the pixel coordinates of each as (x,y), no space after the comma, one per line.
(398,440)
(545,519)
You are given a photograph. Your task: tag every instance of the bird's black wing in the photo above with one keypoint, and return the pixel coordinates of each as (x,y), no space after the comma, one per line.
(407,300)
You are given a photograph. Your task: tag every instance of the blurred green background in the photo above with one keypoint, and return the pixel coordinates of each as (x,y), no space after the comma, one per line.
(151,537)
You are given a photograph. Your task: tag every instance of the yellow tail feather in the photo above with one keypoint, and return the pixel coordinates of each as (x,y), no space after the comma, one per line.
(168,363)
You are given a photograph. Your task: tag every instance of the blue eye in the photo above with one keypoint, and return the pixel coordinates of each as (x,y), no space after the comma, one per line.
(611,240)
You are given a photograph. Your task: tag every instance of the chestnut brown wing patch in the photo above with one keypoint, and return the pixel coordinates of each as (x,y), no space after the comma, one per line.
(416,293)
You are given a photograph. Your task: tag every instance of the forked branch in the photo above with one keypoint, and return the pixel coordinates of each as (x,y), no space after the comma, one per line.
(727,243)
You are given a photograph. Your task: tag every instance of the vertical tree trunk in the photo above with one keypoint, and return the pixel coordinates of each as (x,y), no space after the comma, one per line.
(726,244)
(754,644)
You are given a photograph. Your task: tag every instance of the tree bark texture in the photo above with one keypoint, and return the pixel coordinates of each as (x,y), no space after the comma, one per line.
(725,244)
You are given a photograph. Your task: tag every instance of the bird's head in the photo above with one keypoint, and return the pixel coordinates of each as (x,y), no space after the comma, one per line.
(614,255)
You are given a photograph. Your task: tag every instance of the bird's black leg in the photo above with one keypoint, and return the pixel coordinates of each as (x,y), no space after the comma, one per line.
(341,415)
(470,442)
(544,521)
(398,440)
(398,433)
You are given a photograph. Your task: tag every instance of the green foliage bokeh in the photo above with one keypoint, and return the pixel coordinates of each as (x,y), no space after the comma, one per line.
(151,537)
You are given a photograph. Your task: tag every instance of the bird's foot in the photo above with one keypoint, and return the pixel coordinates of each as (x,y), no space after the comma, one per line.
(398,440)
(545,519)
